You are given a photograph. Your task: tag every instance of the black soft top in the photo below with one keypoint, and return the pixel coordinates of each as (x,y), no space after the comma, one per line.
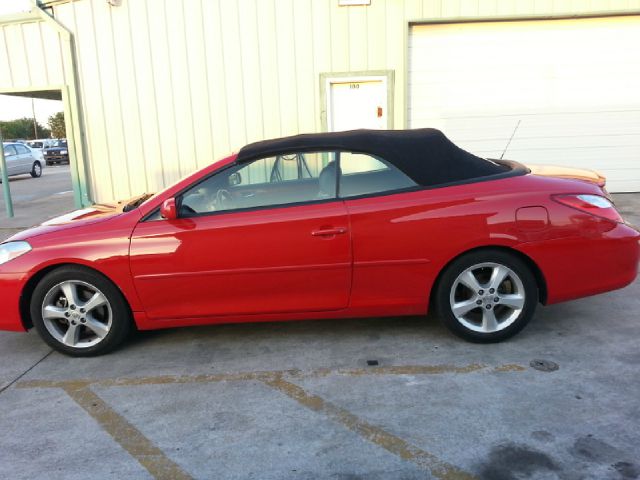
(426,155)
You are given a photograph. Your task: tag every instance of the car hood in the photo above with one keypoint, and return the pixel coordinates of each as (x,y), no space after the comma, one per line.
(56,149)
(557,171)
(77,218)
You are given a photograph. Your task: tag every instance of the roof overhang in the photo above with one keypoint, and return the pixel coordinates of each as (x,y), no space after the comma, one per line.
(43,94)
(20,17)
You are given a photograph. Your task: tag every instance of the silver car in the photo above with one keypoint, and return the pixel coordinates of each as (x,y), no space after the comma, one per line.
(21,159)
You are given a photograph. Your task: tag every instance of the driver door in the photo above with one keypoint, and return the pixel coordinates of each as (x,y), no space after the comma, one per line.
(244,246)
(24,159)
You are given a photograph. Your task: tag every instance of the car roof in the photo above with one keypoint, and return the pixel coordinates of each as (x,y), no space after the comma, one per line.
(426,155)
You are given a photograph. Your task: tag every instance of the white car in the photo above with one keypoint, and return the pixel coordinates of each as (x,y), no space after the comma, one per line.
(38,146)
(21,159)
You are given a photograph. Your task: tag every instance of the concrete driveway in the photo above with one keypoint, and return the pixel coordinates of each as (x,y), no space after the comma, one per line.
(395,398)
(36,199)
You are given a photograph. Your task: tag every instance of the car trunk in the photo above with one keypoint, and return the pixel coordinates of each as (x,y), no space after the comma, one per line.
(583,174)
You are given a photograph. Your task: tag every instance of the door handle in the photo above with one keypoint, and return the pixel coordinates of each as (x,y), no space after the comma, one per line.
(325,232)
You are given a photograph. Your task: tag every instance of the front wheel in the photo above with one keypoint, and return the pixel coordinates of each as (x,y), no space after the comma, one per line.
(79,312)
(486,296)
(36,170)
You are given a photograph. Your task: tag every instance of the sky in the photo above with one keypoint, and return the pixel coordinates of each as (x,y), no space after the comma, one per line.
(13,6)
(18,107)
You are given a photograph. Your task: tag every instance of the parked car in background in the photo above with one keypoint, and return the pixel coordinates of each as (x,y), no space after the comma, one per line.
(38,146)
(58,153)
(21,159)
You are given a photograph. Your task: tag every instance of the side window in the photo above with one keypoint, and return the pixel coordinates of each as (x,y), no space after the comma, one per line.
(296,177)
(363,174)
(22,149)
(294,166)
(9,150)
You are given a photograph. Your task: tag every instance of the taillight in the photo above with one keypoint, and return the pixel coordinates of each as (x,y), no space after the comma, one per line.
(592,204)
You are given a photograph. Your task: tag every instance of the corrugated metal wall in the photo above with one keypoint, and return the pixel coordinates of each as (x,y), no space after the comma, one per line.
(168,86)
(30,57)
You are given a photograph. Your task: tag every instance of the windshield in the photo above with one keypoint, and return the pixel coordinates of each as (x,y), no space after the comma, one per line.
(60,143)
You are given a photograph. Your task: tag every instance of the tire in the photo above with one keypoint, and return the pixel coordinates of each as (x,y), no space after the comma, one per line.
(48,164)
(501,302)
(36,170)
(58,312)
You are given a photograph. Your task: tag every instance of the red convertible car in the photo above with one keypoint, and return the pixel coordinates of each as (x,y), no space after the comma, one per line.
(350,224)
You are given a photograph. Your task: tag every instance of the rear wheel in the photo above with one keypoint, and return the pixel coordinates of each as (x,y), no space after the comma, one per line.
(36,170)
(486,296)
(79,312)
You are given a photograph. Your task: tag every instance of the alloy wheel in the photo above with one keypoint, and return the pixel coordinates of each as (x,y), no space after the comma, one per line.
(77,314)
(487,297)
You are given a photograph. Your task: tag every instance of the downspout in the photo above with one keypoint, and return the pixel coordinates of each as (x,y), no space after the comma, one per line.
(73,107)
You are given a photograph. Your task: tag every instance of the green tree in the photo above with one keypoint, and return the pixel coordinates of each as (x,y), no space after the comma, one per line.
(56,124)
(22,128)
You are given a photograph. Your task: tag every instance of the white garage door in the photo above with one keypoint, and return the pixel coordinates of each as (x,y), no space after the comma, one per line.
(574,85)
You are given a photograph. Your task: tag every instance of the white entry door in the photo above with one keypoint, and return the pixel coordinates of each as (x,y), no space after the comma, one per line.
(357,102)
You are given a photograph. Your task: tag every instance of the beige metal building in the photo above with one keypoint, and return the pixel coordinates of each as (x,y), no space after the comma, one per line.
(154,89)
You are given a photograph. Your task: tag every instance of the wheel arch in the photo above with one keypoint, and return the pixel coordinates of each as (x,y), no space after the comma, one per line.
(535,269)
(30,285)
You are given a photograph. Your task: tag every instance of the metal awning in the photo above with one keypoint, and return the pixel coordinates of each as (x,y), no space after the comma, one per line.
(43,94)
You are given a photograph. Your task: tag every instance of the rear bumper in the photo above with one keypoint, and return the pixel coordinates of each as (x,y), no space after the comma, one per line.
(11,286)
(581,266)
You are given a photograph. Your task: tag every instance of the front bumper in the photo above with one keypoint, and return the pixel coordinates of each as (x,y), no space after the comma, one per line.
(11,287)
(56,158)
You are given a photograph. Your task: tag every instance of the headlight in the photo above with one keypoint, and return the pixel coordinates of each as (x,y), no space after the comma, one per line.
(11,250)
(63,152)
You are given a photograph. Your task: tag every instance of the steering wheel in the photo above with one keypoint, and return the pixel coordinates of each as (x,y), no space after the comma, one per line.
(224,200)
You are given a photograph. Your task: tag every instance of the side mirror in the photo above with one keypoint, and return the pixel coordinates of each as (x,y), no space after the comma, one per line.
(168,210)
(235,179)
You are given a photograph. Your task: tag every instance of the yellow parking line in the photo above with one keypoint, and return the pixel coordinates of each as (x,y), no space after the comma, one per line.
(157,463)
(372,433)
(128,436)
(260,375)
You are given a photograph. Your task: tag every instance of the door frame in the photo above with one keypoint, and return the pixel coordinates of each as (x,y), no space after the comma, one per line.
(67,85)
(329,78)
(78,171)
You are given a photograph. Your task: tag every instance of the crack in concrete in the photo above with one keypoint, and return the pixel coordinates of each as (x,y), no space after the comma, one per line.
(25,372)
